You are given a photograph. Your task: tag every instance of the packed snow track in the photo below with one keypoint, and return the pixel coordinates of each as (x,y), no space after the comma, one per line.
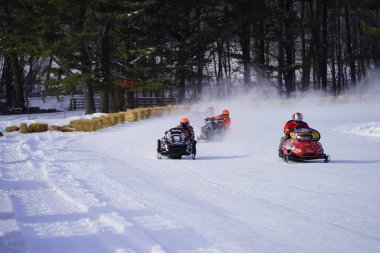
(107,192)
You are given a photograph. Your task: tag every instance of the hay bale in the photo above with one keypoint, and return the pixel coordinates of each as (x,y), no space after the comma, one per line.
(12,129)
(55,128)
(148,112)
(131,115)
(24,128)
(106,121)
(98,124)
(76,124)
(66,129)
(114,119)
(38,127)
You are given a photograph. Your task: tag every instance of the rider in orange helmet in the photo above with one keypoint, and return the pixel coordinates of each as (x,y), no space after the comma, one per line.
(188,130)
(226,118)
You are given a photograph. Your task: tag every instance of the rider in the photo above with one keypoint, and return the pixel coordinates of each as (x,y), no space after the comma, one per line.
(210,111)
(187,130)
(226,118)
(294,123)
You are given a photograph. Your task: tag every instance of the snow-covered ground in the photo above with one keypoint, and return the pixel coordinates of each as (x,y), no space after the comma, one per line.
(106,191)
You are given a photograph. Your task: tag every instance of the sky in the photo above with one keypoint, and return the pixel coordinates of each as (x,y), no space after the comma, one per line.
(106,191)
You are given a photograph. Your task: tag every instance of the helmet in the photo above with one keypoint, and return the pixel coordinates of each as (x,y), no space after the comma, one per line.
(185,122)
(226,113)
(298,117)
(210,107)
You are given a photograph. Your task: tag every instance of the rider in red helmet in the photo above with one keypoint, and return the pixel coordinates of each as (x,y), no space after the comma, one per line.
(210,111)
(294,123)
(226,118)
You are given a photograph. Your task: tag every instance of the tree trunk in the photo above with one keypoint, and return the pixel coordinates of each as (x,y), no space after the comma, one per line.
(17,72)
(350,54)
(316,46)
(289,52)
(376,43)
(88,93)
(105,63)
(117,97)
(332,40)
(104,101)
(131,99)
(340,81)
(245,42)
(323,61)
(306,64)
(7,80)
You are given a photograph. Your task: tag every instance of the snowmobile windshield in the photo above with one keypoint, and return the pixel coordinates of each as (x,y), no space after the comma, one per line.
(305,134)
(175,135)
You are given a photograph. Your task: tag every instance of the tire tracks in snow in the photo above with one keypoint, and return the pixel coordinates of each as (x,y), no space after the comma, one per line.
(47,202)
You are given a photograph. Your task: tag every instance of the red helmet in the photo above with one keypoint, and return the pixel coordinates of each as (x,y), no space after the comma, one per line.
(210,107)
(298,117)
(226,113)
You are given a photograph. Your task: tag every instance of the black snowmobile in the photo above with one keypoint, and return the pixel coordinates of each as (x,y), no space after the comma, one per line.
(212,130)
(175,144)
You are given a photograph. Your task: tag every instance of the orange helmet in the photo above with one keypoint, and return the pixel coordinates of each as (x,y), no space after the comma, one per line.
(226,113)
(185,122)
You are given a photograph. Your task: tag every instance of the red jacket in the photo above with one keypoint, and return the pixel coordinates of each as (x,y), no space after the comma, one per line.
(227,120)
(291,125)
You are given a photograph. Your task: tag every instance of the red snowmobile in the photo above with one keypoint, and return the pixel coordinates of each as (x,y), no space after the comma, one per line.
(303,144)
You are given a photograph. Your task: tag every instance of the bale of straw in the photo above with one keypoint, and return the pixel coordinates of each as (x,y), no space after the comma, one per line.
(106,121)
(77,124)
(55,128)
(114,119)
(159,111)
(121,117)
(24,128)
(38,127)
(12,129)
(98,124)
(131,116)
(67,129)
(148,112)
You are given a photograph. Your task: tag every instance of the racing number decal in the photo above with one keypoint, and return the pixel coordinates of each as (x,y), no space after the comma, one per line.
(315,135)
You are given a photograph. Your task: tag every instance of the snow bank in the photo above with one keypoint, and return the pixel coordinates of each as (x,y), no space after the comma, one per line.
(366,129)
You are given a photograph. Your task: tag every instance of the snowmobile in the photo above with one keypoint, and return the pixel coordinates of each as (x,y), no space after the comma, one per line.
(212,130)
(303,144)
(175,144)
